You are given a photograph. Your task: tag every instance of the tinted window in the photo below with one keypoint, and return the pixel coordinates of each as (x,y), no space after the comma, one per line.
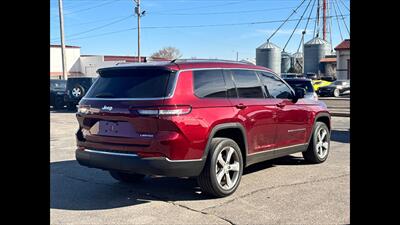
(247,84)
(230,86)
(306,84)
(276,88)
(132,83)
(58,84)
(209,84)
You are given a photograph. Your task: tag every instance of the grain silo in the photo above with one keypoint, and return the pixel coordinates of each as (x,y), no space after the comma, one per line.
(297,62)
(269,55)
(285,62)
(314,51)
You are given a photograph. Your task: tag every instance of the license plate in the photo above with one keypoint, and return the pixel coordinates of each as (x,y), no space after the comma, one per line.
(117,129)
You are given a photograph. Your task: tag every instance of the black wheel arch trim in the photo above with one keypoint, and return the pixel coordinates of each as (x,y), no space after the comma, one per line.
(320,115)
(224,126)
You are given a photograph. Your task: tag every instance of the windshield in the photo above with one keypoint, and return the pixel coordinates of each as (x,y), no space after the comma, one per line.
(132,83)
(301,84)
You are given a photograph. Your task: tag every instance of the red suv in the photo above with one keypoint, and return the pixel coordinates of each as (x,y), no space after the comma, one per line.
(196,118)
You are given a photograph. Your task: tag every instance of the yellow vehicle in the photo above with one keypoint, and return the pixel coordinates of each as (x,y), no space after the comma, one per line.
(320,83)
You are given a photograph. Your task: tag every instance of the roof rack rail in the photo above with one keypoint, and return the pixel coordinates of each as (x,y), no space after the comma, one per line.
(208,60)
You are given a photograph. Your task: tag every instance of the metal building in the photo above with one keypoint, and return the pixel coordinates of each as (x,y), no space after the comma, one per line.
(269,55)
(314,51)
(285,62)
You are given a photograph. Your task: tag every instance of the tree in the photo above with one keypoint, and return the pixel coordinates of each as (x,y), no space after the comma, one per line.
(167,53)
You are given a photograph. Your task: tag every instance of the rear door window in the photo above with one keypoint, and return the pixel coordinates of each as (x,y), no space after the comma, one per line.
(209,84)
(132,83)
(276,88)
(247,84)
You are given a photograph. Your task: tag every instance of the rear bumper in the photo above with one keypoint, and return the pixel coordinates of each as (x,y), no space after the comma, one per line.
(132,163)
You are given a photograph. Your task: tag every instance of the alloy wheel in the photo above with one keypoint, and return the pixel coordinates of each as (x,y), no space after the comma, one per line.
(322,143)
(227,168)
(76,92)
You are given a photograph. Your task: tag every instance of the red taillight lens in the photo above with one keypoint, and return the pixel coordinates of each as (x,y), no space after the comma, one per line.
(165,110)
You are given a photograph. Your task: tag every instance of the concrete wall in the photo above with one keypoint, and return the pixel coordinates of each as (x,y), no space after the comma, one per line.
(71,57)
(341,57)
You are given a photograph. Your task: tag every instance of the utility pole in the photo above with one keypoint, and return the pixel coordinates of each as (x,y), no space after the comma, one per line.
(139,14)
(237,56)
(324,20)
(318,9)
(61,15)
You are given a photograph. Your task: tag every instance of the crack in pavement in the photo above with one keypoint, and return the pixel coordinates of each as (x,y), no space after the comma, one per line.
(166,200)
(273,187)
(141,193)
(200,211)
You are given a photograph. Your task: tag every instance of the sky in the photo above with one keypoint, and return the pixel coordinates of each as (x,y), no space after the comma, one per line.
(198,28)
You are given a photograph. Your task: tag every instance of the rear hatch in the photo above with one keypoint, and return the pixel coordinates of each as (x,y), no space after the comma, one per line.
(113,112)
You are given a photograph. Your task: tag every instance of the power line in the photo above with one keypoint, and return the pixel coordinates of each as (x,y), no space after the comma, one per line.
(92,7)
(297,25)
(221,13)
(294,11)
(340,11)
(337,20)
(195,26)
(348,9)
(100,27)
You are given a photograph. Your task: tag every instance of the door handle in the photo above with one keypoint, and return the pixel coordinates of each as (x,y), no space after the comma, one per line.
(241,106)
(280,105)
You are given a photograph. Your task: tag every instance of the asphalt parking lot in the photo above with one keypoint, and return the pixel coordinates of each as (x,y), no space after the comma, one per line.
(280,191)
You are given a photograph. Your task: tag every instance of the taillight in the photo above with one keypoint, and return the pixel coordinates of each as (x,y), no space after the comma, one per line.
(165,110)
(83,109)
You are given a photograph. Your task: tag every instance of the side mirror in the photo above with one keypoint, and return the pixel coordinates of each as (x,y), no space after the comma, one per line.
(298,93)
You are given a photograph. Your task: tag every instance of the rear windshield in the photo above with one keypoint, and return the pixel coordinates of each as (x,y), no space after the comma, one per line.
(133,83)
(301,84)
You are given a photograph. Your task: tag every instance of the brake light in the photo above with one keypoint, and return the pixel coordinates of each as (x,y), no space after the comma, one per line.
(165,110)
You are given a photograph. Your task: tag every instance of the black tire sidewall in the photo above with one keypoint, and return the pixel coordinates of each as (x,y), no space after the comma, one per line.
(213,160)
(314,147)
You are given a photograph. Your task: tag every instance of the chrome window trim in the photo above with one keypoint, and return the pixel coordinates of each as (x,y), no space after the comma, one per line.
(175,84)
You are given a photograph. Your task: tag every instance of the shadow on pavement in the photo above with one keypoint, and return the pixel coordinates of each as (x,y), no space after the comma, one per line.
(340,136)
(74,187)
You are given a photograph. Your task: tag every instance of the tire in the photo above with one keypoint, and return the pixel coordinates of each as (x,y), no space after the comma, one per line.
(127,177)
(208,180)
(336,93)
(316,152)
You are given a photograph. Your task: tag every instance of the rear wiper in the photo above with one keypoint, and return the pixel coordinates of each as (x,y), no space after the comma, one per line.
(105,95)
